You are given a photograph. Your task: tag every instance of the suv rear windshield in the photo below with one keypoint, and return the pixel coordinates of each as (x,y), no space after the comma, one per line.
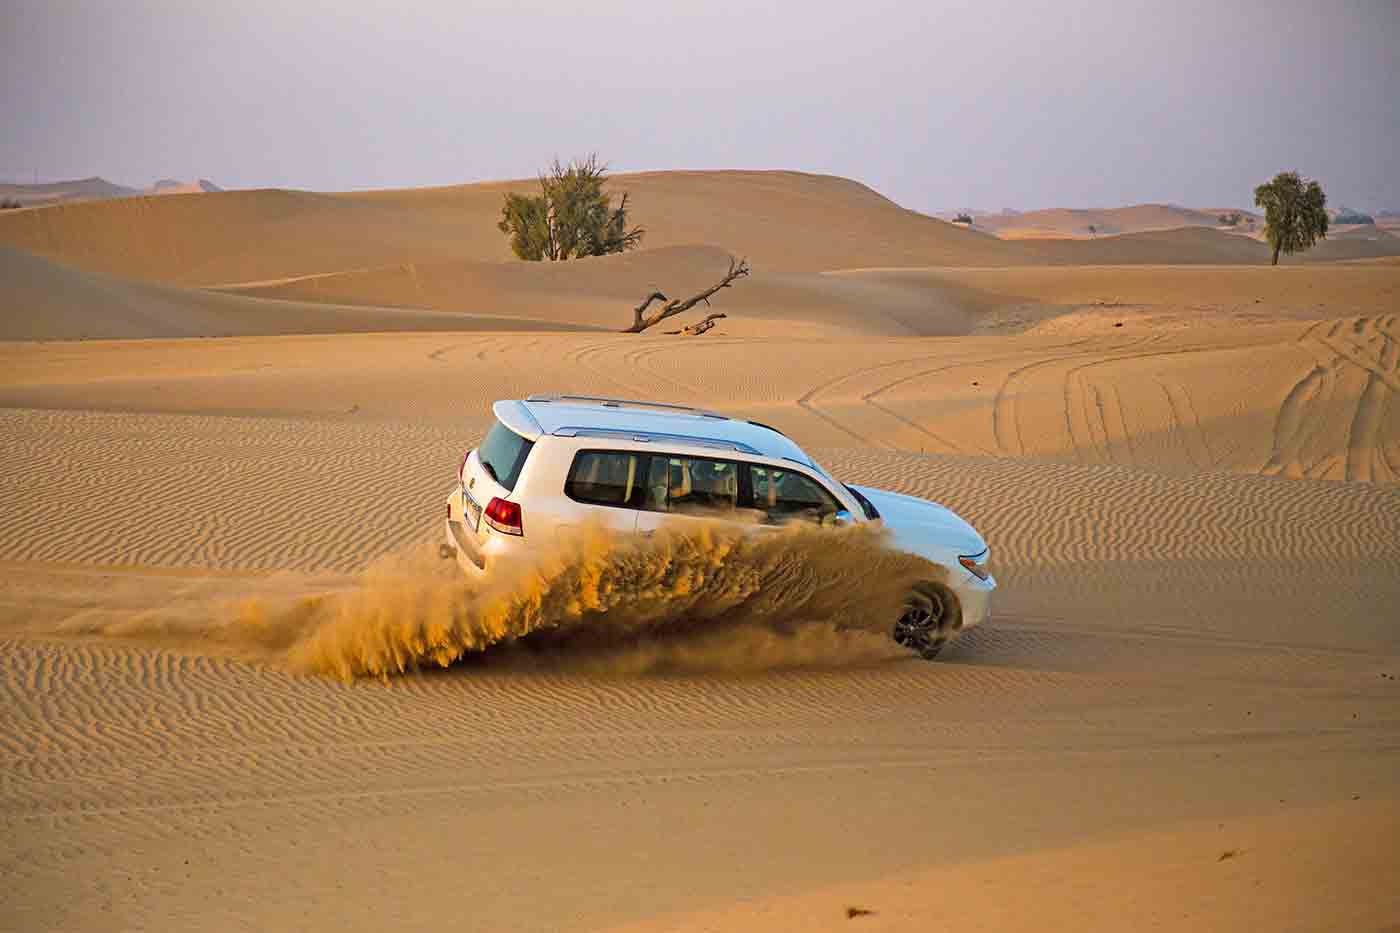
(502,453)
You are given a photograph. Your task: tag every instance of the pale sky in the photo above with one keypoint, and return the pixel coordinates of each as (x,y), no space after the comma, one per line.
(985,104)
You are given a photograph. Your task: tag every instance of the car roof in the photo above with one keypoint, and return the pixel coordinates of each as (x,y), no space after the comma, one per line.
(631,419)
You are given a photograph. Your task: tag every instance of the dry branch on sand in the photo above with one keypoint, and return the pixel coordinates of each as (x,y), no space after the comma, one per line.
(738,268)
(699,327)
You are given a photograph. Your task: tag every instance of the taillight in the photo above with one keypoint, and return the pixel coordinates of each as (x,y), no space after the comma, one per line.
(504,516)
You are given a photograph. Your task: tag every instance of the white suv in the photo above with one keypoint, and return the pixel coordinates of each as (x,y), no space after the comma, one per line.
(554,461)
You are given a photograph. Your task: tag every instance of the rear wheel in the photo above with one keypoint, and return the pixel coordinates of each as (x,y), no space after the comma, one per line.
(930,614)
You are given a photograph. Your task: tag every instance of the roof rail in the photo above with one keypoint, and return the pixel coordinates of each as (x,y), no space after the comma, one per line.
(760,424)
(609,402)
(645,437)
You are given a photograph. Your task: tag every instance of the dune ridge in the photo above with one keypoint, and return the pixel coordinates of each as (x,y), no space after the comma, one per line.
(259,235)
(1135,218)
(49,301)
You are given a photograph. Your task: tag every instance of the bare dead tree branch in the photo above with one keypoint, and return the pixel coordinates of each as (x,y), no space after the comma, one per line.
(738,268)
(637,311)
(699,327)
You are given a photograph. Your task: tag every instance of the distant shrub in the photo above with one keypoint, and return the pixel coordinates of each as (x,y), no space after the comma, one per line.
(963,218)
(9,204)
(570,218)
(1345,216)
(1231,219)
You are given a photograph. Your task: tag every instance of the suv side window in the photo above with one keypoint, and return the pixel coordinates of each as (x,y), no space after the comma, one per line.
(784,495)
(692,485)
(605,478)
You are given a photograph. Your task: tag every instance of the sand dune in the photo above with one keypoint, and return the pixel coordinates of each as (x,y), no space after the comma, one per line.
(1100,299)
(175,186)
(1192,245)
(1300,399)
(438,250)
(251,236)
(1359,232)
(601,292)
(244,236)
(78,189)
(1076,222)
(1185,463)
(96,189)
(234,236)
(1182,665)
(48,301)
(944,301)
(1167,650)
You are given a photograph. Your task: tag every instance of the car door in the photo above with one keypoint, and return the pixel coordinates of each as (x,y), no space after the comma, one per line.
(782,495)
(603,487)
(683,490)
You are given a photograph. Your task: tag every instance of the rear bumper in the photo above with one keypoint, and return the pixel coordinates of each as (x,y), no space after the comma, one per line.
(464,545)
(466,549)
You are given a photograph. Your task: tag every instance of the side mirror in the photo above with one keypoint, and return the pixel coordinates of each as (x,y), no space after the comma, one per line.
(842,518)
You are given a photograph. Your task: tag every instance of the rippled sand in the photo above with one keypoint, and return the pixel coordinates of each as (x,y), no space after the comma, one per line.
(1184,711)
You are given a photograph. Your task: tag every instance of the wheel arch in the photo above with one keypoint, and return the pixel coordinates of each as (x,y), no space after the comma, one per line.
(938,588)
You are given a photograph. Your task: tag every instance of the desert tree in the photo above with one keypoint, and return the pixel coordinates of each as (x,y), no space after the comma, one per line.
(1295,212)
(571,217)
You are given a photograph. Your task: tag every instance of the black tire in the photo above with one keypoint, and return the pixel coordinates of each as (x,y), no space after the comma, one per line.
(931,613)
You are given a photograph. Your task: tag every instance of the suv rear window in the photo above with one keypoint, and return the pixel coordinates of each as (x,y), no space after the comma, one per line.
(603,478)
(502,453)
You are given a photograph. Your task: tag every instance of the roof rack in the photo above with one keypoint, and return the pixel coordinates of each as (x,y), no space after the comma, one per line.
(645,437)
(609,402)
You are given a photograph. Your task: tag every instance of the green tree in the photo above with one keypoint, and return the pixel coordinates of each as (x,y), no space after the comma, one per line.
(1295,212)
(570,218)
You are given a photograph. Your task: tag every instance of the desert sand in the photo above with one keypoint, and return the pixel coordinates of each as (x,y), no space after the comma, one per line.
(219,509)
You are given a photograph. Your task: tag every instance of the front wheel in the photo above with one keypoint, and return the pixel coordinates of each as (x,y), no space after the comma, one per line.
(929,615)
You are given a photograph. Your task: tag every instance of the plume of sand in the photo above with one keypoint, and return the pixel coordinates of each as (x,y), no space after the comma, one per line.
(717,597)
(712,596)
